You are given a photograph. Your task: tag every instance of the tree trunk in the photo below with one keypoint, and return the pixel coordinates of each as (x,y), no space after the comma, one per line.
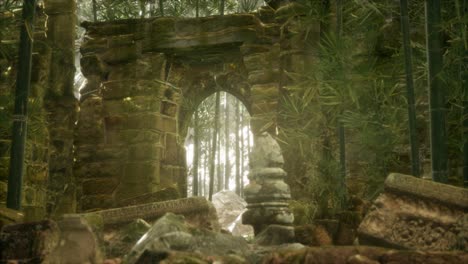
(463,78)
(237,149)
(436,92)
(227,165)
(197,8)
(213,148)
(242,153)
(219,176)
(20,115)
(196,153)
(161,7)
(410,88)
(341,130)
(221,8)
(94,11)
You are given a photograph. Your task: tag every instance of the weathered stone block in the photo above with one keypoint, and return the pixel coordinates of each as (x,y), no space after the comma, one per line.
(91,65)
(145,121)
(197,210)
(141,172)
(29,241)
(413,213)
(169,108)
(121,54)
(169,193)
(141,136)
(145,151)
(261,61)
(59,6)
(135,104)
(9,216)
(96,201)
(129,190)
(173,150)
(98,169)
(264,92)
(263,76)
(99,186)
(93,45)
(96,153)
(150,66)
(129,88)
(37,172)
(115,122)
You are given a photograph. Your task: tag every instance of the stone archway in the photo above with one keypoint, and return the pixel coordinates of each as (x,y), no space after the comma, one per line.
(143,76)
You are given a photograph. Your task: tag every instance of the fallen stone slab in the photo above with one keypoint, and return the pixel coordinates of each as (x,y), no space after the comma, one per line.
(362,255)
(413,213)
(165,194)
(172,233)
(197,210)
(229,207)
(10,216)
(70,240)
(28,242)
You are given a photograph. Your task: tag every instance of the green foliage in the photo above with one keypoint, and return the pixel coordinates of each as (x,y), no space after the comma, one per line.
(359,80)
(108,10)
(304,212)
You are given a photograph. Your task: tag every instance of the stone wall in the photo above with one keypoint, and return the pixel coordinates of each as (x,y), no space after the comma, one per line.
(145,79)
(51,109)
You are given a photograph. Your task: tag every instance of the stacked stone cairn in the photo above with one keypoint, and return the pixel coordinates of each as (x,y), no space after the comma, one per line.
(267,194)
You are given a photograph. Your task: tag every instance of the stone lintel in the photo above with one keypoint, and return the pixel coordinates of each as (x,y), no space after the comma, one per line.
(426,189)
(152,211)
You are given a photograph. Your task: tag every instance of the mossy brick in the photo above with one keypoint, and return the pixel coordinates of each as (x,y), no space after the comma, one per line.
(37,173)
(260,61)
(169,124)
(59,6)
(84,170)
(166,176)
(99,186)
(91,65)
(132,190)
(115,122)
(144,121)
(102,152)
(149,67)
(169,108)
(140,172)
(130,87)
(264,92)
(174,151)
(122,54)
(131,136)
(96,202)
(263,76)
(144,151)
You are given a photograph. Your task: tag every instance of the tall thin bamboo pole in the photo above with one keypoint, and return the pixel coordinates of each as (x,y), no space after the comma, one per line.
(213,150)
(227,165)
(196,153)
(237,150)
(23,82)
(161,7)
(410,88)
(436,92)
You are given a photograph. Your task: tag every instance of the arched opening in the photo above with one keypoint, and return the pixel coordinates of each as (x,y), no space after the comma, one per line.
(227,155)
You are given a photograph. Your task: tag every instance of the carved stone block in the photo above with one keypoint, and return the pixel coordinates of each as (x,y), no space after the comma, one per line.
(413,213)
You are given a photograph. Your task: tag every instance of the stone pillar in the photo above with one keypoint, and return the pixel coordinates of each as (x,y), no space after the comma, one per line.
(61,104)
(267,194)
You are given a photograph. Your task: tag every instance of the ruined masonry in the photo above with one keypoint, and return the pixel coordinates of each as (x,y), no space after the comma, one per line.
(146,77)
(267,194)
(413,213)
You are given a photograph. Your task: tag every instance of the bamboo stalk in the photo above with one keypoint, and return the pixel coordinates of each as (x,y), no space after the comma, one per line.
(436,92)
(23,82)
(196,153)
(415,167)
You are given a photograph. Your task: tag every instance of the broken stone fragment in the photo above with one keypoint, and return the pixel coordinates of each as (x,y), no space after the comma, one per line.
(413,213)
(172,233)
